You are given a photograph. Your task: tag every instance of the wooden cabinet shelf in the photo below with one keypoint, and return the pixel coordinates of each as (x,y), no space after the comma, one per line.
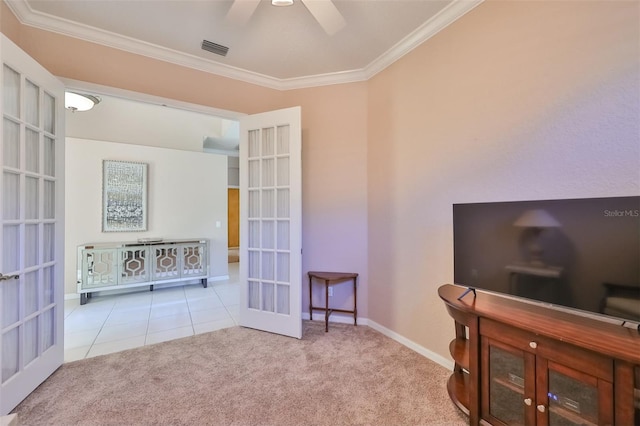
(509,385)
(459,349)
(458,388)
(526,363)
(570,416)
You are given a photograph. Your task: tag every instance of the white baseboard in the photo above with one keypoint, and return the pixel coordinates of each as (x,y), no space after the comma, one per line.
(335,317)
(9,420)
(218,278)
(447,363)
(348,319)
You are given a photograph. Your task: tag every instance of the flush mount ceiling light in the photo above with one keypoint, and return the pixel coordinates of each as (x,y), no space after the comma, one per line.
(281,2)
(80,101)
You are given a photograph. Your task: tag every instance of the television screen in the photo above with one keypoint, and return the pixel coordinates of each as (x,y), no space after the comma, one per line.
(578,253)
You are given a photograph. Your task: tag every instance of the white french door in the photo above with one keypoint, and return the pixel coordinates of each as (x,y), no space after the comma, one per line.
(271,222)
(31,225)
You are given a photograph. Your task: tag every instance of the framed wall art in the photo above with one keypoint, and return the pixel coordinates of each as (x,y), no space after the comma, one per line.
(124,196)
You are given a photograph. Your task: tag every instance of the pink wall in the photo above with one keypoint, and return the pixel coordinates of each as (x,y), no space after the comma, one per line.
(334,186)
(9,25)
(516,100)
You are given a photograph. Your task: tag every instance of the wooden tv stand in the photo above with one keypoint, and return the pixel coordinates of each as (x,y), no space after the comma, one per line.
(524,363)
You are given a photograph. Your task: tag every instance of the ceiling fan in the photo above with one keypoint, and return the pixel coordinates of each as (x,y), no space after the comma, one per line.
(325,12)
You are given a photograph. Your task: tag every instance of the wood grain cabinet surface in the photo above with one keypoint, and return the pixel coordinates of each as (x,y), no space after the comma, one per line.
(525,364)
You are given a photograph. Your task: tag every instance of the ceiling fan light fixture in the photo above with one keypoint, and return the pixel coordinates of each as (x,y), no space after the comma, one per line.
(80,101)
(281,2)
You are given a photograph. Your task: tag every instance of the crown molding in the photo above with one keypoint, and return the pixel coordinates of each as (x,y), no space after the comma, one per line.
(323,79)
(27,16)
(433,26)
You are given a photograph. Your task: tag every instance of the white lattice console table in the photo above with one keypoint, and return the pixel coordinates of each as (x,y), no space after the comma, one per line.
(112,266)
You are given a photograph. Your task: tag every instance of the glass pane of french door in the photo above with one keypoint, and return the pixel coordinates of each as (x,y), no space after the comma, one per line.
(269,287)
(31,258)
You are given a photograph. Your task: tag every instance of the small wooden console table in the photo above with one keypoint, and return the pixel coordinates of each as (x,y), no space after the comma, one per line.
(329,278)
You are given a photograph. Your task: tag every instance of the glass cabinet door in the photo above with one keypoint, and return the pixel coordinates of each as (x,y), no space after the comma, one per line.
(568,397)
(165,262)
(193,259)
(99,268)
(135,265)
(509,385)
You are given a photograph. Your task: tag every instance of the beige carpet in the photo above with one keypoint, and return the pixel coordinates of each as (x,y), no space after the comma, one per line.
(237,376)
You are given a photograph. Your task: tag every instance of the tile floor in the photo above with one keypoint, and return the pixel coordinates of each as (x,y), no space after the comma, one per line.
(113,323)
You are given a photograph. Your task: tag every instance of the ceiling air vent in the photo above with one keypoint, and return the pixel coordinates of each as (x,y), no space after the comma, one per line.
(212,47)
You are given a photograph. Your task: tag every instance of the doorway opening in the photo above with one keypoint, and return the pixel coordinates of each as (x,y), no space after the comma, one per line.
(112,322)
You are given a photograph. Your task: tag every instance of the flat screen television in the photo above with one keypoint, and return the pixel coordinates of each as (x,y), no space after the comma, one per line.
(570,253)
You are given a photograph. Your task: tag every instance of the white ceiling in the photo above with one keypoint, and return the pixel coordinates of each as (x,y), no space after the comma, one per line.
(278,47)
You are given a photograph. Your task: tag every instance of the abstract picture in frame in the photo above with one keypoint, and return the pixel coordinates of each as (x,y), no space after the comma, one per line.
(124,196)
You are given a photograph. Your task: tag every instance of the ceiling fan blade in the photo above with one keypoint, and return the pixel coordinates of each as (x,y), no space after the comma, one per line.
(327,15)
(241,11)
